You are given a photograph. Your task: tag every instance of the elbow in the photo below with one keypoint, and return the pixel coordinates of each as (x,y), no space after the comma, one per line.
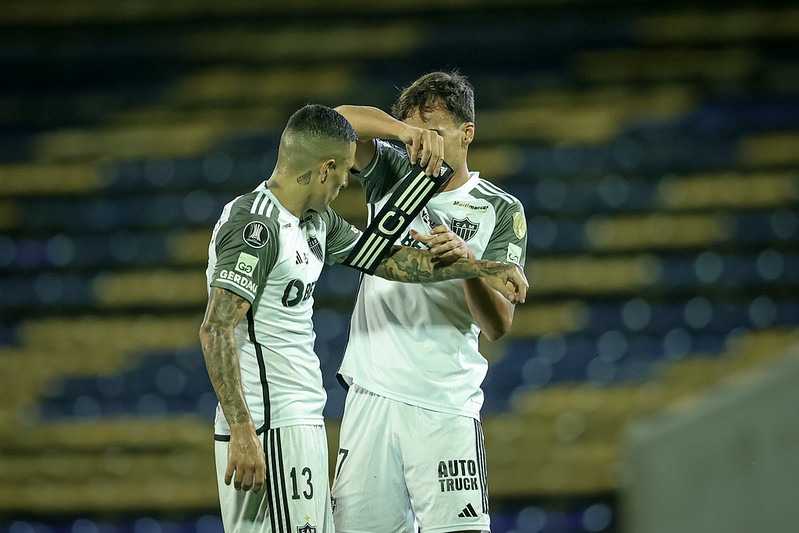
(496,331)
(206,335)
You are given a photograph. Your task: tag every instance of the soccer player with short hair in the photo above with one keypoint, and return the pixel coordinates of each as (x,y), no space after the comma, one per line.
(411,444)
(265,256)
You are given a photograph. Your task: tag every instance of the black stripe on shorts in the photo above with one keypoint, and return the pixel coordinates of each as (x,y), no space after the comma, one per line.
(481,462)
(278,496)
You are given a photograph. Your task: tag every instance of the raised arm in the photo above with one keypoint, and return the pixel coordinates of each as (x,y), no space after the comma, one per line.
(246,460)
(371,123)
(411,265)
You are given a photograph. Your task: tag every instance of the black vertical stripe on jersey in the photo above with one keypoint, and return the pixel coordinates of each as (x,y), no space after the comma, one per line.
(269,495)
(259,354)
(481,463)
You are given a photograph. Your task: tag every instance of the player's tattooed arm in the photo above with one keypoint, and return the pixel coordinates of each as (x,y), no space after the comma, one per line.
(411,265)
(217,336)
(246,463)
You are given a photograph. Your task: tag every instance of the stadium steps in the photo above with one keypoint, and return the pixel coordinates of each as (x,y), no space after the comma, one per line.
(653,134)
(738,24)
(582,117)
(561,441)
(717,66)
(729,190)
(566,438)
(770,149)
(118,465)
(88,345)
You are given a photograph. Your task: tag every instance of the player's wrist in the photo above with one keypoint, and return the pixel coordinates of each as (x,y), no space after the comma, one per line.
(488,268)
(247,426)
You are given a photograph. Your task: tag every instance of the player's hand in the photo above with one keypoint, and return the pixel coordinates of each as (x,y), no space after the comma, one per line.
(508,280)
(444,244)
(246,462)
(425,147)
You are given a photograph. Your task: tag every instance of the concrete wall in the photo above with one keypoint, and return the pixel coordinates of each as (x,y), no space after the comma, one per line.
(724,462)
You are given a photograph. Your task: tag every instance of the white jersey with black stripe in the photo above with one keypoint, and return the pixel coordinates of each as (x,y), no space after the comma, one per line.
(418,343)
(272,259)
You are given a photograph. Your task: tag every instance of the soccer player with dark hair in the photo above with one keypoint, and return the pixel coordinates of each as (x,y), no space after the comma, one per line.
(411,444)
(266,253)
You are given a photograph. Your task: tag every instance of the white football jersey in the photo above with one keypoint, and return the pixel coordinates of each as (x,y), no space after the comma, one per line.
(418,343)
(272,259)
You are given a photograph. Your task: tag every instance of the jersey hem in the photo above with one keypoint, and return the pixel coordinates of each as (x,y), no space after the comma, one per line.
(235,289)
(224,433)
(483,527)
(380,391)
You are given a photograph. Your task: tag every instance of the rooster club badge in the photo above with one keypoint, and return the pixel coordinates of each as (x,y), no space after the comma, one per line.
(464,228)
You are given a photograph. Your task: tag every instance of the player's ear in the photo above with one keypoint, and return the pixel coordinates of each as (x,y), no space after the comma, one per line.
(467,133)
(325,168)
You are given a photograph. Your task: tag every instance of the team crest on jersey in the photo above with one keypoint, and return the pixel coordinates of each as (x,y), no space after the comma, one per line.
(255,234)
(315,246)
(464,228)
(307,528)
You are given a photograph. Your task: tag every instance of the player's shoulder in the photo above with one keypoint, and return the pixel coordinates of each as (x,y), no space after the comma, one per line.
(257,204)
(255,214)
(392,148)
(496,196)
(326,221)
(318,219)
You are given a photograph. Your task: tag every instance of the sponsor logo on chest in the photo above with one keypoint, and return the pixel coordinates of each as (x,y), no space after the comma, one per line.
(478,208)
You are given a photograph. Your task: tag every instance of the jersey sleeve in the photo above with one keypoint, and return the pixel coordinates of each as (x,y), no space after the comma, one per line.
(341,237)
(389,165)
(246,252)
(508,242)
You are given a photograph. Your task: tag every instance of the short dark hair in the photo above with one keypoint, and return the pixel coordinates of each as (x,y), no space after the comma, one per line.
(318,121)
(450,90)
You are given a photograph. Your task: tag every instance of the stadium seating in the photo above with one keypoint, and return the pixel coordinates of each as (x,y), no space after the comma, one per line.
(653,145)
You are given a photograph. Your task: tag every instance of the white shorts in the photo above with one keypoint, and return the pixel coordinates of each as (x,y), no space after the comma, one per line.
(296,496)
(397,462)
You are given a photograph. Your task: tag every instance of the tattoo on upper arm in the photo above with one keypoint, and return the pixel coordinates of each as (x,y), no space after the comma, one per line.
(225,308)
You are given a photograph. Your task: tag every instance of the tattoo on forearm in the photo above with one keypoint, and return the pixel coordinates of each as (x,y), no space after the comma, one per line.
(225,311)
(305,179)
(416,266)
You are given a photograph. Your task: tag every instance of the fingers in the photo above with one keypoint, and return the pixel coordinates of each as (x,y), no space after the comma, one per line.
(426,147)
(413,152)
(445,245)
(260,477)
(247,471)
(523,292)
(246,478)
(520,285)
(229,472)
(433,154)
(420,237)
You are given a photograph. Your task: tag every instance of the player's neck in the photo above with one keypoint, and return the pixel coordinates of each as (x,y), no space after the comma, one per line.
(294,198)
(460,177)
